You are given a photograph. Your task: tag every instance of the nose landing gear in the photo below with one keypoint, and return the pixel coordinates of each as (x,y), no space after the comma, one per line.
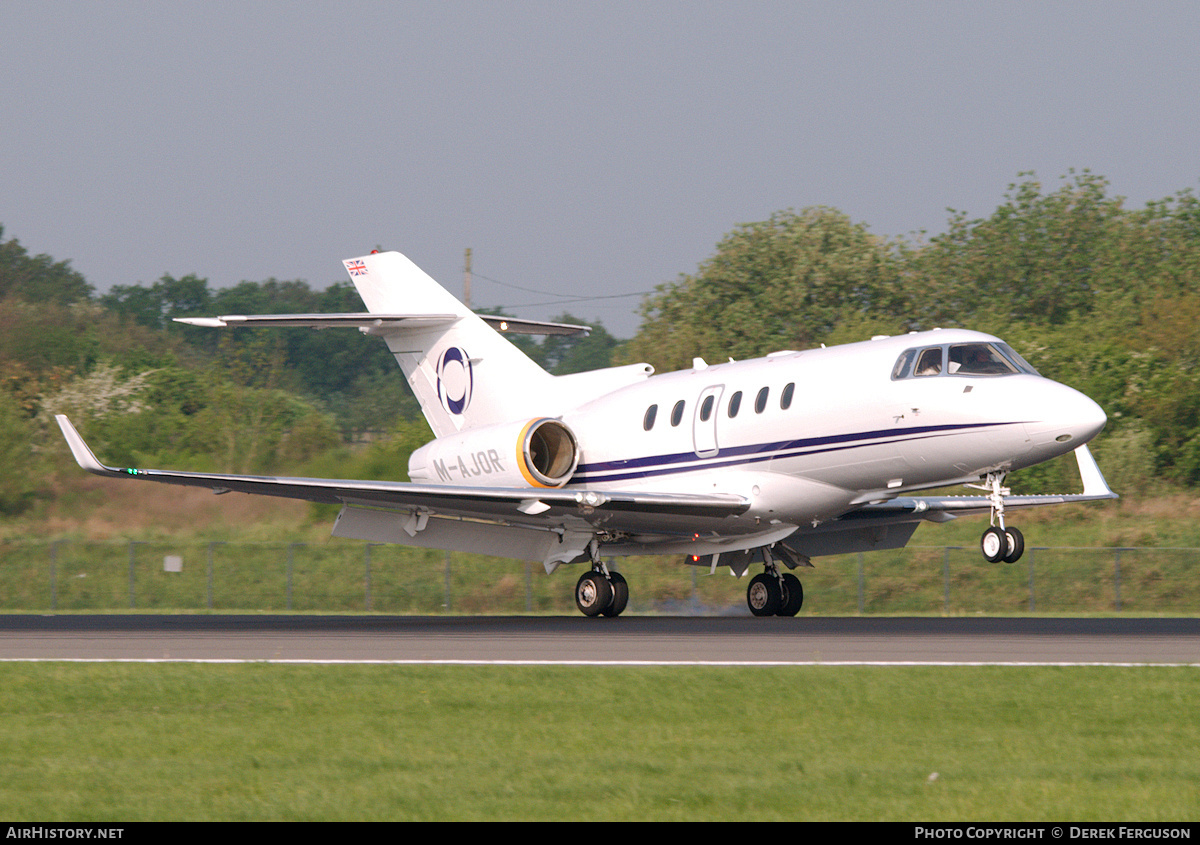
(1000,541)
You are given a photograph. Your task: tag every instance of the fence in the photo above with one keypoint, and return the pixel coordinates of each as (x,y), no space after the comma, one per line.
(353,577)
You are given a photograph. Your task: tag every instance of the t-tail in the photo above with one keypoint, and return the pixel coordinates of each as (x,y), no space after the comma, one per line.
(462,371)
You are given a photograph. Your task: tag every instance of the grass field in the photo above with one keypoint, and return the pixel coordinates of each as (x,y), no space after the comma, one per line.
(342,576)
(129,742)
(250,553)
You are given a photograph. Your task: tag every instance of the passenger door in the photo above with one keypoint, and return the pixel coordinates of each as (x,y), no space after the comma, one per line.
(704,424)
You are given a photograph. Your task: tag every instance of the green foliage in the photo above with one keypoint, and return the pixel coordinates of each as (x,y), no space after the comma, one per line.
(156,307)
(48,335)
(342,371)
(1039,257)
(19,476)
(785,283)
(1093,294)
(565,354)
(38,278)
(384,459)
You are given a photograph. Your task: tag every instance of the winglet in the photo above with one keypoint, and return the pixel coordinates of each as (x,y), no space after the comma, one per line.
(1093,480)
(83,455)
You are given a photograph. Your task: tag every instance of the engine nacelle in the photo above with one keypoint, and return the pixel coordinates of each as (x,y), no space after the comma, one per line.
(538,453)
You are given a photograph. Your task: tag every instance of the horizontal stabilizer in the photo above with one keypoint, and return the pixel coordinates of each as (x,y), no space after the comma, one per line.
(321,321)
(504,325)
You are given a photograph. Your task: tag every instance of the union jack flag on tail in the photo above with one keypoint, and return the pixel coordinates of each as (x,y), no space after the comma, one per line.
(356,268)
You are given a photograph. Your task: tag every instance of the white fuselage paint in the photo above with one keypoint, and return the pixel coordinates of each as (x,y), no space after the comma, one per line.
(852,433)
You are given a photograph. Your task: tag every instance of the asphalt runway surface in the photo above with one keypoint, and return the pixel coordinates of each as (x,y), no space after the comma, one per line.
(577,640)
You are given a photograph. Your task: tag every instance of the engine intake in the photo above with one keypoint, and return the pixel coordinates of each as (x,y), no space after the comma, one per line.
(548,453)
(539,453)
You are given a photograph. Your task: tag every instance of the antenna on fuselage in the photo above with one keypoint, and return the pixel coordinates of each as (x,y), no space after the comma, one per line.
(467,278)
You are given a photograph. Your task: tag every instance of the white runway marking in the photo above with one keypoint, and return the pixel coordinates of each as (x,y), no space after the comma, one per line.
(597,663)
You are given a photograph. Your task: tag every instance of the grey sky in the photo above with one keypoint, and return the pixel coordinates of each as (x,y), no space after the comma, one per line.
(579,148)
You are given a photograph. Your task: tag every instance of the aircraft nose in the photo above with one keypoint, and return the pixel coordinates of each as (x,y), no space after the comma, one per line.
(1067,417)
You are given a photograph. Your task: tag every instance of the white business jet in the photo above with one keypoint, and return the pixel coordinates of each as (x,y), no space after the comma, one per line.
(770,461)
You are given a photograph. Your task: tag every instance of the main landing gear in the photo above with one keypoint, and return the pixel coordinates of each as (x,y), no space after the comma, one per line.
(601,592)
(1000,541)
(773,593)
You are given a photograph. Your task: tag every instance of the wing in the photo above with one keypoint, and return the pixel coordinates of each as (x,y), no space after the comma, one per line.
(945,508)
(537,524)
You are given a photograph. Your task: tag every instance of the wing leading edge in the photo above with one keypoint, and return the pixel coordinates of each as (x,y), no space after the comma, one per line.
(556,510)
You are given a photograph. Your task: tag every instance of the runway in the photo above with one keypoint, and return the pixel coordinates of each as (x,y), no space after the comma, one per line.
(580,641)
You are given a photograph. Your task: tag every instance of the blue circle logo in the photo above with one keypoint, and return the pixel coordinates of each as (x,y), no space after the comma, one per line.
(454,380)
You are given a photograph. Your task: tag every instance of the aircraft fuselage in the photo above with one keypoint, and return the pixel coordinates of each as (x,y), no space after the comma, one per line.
(808,435)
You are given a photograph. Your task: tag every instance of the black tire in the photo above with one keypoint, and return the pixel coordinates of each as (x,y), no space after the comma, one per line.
(993,544)
(763,596)
(1016,545)
(620,599)
(793,595)
(593,594)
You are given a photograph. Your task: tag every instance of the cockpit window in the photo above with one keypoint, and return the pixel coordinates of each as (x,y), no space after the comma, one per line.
(992,358)
(903,363)
(978,359)
(1021,364)
(930,362)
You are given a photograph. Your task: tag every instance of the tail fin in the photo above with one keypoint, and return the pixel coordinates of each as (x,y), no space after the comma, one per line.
(463,372)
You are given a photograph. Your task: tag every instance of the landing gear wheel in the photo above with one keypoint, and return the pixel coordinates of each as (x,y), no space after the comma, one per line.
(593,594)
(620,591)
(763,595)
(1016,545)
(793,595)
(994,544)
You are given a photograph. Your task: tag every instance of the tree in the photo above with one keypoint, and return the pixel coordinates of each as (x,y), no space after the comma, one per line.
(156,306)
(785,283)
(18,462)
(1039,257)
(38,278)
(564,354)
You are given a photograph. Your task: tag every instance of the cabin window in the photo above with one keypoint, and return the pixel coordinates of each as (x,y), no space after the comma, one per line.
(735,404)
(706,408)
(785,400)
(648,421)
(677,413)
(760,401)
(930,362)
